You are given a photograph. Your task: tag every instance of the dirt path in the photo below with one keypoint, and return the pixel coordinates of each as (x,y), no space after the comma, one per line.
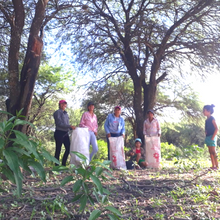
(139,194)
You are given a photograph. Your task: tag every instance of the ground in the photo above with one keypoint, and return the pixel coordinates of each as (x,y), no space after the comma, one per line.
(169,193)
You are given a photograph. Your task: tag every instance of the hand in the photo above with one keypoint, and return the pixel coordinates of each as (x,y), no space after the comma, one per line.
(73,127)
(123,135)
(95,133)
(109,135)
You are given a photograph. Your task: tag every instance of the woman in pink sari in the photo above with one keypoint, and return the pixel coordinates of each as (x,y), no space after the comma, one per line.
(152,132)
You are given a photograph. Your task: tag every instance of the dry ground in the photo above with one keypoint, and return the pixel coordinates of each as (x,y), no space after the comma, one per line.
(138,194)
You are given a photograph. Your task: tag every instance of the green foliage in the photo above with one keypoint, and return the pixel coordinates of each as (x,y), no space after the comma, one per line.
(88,186)
(167,150)
(102,153)
(183,134)
(18,151)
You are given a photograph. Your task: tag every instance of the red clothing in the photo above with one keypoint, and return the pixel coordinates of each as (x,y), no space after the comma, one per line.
(138,151)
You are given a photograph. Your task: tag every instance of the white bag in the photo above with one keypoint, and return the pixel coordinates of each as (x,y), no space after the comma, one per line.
(153,152)
(79,142)
(117,155)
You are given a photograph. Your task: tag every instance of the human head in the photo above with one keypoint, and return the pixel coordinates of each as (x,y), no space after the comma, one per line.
(138,142)
(90,106)
(62,104)
(150,113)
(208,108)
(117,111)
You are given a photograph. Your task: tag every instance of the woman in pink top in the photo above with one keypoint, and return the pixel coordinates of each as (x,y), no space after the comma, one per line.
(152,132)
(89,120)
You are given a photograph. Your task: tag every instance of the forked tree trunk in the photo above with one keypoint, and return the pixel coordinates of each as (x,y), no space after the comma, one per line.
(22,98)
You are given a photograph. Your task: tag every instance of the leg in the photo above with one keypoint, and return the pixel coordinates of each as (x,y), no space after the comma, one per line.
(66,142)
(94,144)
(108,147)
(213,156)
(59,141)
(138,157)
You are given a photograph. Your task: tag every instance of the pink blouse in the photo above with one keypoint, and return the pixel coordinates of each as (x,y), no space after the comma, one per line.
(151,128)
(89,121)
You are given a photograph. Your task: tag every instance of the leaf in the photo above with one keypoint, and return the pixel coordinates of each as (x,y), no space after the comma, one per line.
(77,185)
(83,201)
(113,210)
(81,156)
(97,183)
(66,180)
(112,217)
(95,214)
(107,162)
(9,174)
(2,143)
(85,188)
(59,168)
(22,122)
(77,197)
(91,200)
(21,151)
(49,157)
(98,170)
(39,169)
(80,171)
(103,165)
(107,192)
(104,199)
(12,159)
(109,174)
(4,112)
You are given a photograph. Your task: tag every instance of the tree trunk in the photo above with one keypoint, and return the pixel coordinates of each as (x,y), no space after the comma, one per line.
(137,105)
(23,97)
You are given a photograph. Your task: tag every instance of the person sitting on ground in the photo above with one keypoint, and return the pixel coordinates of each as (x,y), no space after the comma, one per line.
(137,154)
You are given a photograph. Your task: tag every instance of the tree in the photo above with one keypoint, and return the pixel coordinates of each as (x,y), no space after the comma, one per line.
(51,83)
(22,25)
(172,96)
(145,39)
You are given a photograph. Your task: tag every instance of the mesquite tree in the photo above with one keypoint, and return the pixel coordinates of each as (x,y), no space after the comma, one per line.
(22,25)
(146,39)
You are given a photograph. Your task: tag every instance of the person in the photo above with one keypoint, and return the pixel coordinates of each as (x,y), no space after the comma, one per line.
(61,132)
(114,126)
(137,154)
(152,132)
(211,130)
(89,120)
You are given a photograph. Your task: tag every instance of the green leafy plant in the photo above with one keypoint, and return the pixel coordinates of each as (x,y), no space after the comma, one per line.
(20,152)
(88,187)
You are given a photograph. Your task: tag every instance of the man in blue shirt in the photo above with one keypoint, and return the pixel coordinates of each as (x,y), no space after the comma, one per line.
(114,126)
(61,133)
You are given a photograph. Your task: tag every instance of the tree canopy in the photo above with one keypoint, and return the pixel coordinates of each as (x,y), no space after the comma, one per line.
(145,39)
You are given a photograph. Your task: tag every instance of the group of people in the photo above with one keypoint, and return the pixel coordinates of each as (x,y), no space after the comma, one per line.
(115,127)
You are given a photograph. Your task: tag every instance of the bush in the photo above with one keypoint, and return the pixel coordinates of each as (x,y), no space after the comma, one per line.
(102,153)
(18,152)
(168,150)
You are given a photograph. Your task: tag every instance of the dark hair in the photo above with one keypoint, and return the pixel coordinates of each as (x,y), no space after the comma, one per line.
(209,108)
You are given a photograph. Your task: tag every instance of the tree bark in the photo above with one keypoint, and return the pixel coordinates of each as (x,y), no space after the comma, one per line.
(21,90)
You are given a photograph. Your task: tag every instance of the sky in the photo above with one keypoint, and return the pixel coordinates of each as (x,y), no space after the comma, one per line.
(208,88)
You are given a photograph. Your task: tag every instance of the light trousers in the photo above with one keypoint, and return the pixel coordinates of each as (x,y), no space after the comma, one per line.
(94,144)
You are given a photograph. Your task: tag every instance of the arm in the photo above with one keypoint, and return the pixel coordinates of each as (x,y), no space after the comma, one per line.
(216,129)
(96,126)
(106,125)
(123,127)
(158,128)
(144,129)
(82,121)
